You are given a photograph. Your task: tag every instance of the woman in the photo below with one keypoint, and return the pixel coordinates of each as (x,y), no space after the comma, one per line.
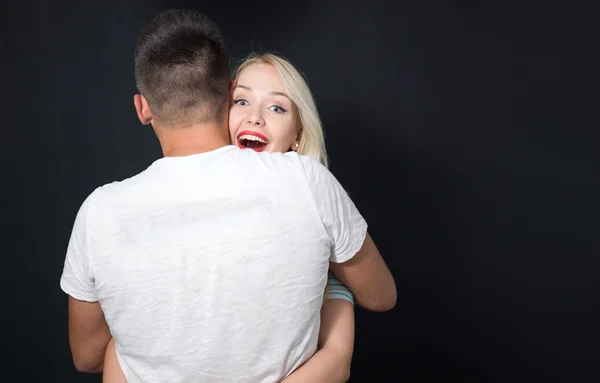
(273,110)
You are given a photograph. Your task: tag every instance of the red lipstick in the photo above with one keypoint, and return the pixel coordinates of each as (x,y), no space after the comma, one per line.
(257,146)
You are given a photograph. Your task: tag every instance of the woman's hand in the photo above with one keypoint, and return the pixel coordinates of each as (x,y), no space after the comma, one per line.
(112,372)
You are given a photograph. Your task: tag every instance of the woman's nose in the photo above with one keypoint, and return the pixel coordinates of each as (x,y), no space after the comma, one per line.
(256,118)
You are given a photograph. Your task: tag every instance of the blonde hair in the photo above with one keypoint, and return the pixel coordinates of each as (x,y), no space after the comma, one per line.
(312,139)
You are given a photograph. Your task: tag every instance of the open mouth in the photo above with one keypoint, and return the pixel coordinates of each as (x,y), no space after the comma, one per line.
(252,140)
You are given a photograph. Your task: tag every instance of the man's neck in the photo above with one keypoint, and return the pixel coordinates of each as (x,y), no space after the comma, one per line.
(196,139)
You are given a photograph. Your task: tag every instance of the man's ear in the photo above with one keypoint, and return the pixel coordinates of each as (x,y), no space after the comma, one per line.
(143,109)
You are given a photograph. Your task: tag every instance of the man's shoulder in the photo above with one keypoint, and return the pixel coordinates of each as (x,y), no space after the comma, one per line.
(268,161)
(118,186)
(289,159)
(312,169)
(111,191)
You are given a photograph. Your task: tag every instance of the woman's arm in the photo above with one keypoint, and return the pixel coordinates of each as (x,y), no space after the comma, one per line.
(112,370)
(331,363)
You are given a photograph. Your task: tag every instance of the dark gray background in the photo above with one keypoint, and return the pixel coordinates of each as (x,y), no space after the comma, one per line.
(466,134)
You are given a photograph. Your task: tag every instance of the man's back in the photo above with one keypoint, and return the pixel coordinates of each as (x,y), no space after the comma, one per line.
(209,266)
(212,267)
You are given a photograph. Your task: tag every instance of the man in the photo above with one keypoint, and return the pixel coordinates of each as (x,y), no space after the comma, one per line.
(211,264)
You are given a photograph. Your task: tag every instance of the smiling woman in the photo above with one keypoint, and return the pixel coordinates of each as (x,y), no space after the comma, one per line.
(262,116)
(273,109)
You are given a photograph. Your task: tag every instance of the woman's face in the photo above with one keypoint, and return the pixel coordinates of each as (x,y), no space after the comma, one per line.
(262,117)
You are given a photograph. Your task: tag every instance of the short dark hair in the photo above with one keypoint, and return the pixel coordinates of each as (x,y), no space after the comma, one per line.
(182,68)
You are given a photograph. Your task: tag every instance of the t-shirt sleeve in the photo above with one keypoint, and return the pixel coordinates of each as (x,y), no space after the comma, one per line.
(77,279)
(342,220)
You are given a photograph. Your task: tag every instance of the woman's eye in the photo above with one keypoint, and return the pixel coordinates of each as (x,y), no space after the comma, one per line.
(240,102)
(277,109)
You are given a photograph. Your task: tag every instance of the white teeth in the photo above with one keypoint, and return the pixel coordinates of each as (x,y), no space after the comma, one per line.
(251,137)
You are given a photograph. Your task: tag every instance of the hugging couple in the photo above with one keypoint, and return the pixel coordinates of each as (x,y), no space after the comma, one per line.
(237,256)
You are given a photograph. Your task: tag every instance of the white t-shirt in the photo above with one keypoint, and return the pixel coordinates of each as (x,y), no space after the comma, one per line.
(212,267)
